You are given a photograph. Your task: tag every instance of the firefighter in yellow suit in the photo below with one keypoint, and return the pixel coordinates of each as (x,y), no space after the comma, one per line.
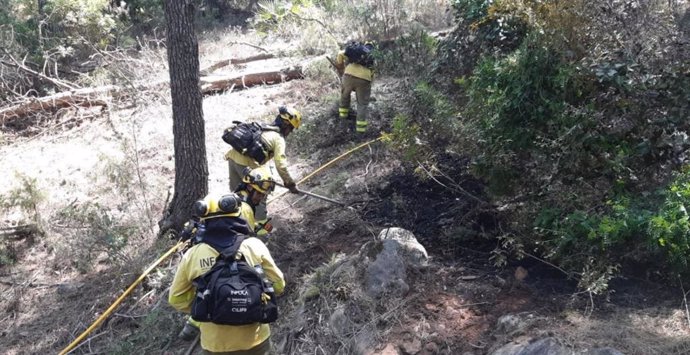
(273,139)
(357,78)
(220,229)
(256,185)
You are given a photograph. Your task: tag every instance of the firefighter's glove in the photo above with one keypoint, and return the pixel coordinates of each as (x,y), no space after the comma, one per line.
(267,226)
(292,187)
(188,231)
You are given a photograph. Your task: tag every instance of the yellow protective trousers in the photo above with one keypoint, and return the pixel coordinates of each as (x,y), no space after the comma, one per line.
(362,89)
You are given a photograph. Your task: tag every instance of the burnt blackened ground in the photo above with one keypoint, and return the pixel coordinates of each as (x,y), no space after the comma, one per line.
(445,210)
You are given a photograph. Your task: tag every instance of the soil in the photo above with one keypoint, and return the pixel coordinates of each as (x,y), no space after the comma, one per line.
(48,299)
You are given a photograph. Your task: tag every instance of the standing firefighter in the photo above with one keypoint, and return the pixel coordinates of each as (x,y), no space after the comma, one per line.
(355,65)
(254,145)
(255,187)
(226,258)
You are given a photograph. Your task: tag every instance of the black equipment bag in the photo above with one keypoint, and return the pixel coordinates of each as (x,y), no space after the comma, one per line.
(245,137)
(234,292)
(360,53)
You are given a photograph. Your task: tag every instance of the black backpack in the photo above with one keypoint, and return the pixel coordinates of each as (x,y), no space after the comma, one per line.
(245,137)
(360,53)
(234,292)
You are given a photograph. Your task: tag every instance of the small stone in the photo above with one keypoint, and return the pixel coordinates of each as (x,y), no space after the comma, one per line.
(412,347)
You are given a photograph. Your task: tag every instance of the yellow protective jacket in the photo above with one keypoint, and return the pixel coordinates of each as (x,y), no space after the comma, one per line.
(247,213)
(275,145)
(354,69)
(197,261)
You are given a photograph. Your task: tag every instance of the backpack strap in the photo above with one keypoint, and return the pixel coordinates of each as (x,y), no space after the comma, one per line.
(228,254)
(225,257)
(268,127)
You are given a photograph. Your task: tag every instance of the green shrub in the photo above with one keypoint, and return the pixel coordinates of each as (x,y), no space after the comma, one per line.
(435,112)
(8,255)
(96,232)
(647,228)
(404,138)
(410,55)
(669,228)
(27,197)
(517,97)
(470,11)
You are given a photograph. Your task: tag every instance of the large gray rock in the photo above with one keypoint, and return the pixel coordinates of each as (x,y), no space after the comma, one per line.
(393,251)
(406,244)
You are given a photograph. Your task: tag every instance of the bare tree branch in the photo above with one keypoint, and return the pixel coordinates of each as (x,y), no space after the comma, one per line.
(21,66)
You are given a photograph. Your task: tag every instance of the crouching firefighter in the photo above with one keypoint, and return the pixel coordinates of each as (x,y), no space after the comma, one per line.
(256,185)
(254,146)
(228,281)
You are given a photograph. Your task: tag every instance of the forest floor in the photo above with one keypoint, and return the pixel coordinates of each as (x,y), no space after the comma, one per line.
(115,169)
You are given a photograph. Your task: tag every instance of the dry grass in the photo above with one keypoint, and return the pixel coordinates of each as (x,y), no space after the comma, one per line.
(631,331)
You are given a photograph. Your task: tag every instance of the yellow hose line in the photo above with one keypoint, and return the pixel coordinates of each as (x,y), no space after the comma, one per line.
(174,248)
(119,300)
(327,165)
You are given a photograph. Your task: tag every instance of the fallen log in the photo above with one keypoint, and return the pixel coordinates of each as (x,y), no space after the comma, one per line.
(209,85)
(217,84)
(80,97)
(18,232)
(234,61)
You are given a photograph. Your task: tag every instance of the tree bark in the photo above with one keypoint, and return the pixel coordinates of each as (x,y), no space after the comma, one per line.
(191,167)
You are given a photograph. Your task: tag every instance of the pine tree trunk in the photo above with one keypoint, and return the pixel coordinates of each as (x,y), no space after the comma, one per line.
(191,167)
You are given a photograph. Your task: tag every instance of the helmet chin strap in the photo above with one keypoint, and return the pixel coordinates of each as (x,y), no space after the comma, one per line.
(250,196)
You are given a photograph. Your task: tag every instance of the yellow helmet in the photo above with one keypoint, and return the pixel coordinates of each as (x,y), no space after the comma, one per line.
(260,179)
(291,115)
(217,205)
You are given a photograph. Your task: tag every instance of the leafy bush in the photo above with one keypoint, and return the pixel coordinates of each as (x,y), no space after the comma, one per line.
(514,103)
(411,55)
(434,111)
(429,126)
(648,228)
(580,130)
(404,138)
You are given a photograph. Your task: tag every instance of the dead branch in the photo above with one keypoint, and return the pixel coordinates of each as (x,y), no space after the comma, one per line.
(685,301)
(79,97)
(194,343)
(328,30)
(35,73)
(29,285)
(211,85)
(389,42)
(234,61)
(250,45)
